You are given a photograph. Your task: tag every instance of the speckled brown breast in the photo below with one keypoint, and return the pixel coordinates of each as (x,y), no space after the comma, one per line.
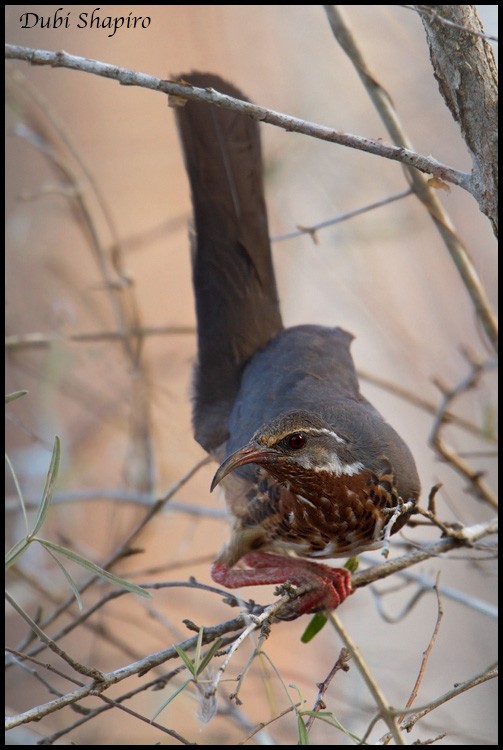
(321,515)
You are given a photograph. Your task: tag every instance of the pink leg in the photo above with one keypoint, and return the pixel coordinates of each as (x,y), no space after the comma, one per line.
(324,587)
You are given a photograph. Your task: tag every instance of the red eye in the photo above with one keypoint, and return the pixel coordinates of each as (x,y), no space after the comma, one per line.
(296,441)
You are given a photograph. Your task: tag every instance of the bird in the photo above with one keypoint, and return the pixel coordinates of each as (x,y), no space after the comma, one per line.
(310,469)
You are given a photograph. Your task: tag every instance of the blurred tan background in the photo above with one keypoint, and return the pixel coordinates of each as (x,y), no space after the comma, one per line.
(385,276)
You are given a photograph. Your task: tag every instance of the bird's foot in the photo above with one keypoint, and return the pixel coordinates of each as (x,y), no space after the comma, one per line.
(318,586)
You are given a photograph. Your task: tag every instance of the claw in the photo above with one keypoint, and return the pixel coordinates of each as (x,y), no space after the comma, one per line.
(319,587)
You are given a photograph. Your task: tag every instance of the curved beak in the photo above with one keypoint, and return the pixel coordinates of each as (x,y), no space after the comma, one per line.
(252,453)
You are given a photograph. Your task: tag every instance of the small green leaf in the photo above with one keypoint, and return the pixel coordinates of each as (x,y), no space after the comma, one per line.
(173,695)
(50,482)
(88,565)
(352,564)
(68,577)
(209,655)
(197,654)
(14,395)
(329,718)
(317,714)
(18,490)
(316,623)
(186,659)
(303,735)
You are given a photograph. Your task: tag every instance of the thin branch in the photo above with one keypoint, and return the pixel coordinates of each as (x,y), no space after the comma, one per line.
(384,106)
(459,688)
(112,678)
(181,91)
(319,704)
(254,622)
(311,230)
(403,153)
(264,724)
(123,550)
(449,417)
(150,722)
(120,291)
(44,341)
(80,668)
(425,585)
(93,713)
(426,654)
(376,692)
(140,667)
(138,466)
(50,668)
(120,495)
(466,537)
(41,340)
(478,486)
(431,10)
(406,608)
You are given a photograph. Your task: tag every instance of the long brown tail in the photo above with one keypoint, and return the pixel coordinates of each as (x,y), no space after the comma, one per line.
(236,298)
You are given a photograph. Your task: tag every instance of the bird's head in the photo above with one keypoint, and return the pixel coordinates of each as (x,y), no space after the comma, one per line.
(294,443)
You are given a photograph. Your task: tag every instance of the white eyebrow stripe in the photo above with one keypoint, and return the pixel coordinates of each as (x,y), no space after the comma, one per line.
(324,431)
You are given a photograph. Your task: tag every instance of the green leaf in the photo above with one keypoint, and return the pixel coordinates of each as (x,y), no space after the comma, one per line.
(303,735)
(316,623)
(18,490)
(352,564)
(209,655)
(186,659)
(197,654)
(93,568)
(317,714)
(68,577)
(329,718)
(173,695)
(49,486)
(14,395)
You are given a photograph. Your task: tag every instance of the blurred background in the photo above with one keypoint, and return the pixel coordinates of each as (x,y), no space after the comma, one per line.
(97,213)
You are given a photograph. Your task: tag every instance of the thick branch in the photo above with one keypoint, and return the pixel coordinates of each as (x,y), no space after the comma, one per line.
(464,66)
